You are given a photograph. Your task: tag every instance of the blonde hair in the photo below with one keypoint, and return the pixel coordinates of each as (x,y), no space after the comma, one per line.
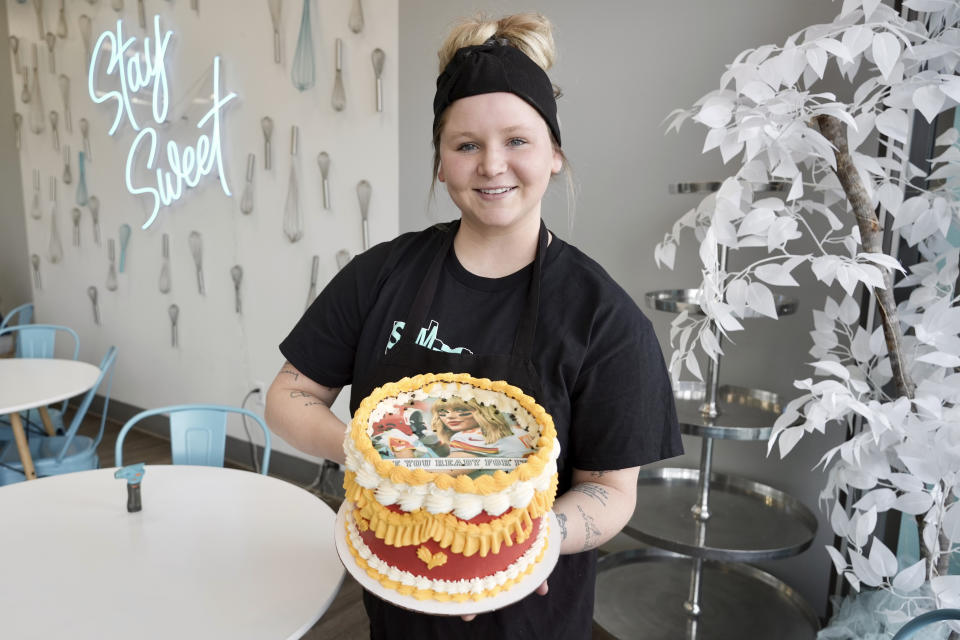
(491,422)
(531,33)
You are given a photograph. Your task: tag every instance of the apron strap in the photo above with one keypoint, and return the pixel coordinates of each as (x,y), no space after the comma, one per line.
(523,343)
(526,331)
(428,288)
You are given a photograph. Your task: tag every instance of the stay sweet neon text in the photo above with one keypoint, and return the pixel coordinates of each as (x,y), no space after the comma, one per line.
(135,71)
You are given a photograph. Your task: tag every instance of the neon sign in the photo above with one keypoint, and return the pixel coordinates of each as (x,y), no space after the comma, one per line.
(135,71)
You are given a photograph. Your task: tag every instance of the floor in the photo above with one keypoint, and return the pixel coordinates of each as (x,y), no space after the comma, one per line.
(344,620)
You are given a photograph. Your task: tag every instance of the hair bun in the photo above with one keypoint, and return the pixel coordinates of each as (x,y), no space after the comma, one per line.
(531,33)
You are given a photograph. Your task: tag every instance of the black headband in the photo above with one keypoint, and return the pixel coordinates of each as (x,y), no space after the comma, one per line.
(493,67)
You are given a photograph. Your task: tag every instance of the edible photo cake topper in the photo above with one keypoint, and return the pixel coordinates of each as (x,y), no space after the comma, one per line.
(137,78)
(451,434)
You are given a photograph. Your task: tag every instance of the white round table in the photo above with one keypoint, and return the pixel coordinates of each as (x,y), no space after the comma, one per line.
(27,383)
(215,553)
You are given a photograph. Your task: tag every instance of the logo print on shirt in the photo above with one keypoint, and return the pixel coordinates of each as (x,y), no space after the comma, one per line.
(427,338)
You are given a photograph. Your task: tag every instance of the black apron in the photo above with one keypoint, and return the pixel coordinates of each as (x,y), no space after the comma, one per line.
(409,359)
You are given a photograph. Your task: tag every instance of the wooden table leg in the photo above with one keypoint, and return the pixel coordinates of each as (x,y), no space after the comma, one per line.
(22,447)
(47,423)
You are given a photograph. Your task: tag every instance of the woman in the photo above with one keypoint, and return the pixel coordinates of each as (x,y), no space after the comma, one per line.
(563,330)
(473,430)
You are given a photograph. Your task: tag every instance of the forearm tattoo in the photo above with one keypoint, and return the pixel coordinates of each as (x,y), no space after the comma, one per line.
(295,374)
(595,491)
(562,521)
(591,531)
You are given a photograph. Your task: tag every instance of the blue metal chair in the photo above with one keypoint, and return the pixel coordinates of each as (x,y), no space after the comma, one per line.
(198,433)
(924,619)
(18,315)
(38,341)
(53,455)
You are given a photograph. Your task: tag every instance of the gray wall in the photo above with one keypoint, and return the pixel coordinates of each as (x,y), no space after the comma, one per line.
(14,261)
(623,65)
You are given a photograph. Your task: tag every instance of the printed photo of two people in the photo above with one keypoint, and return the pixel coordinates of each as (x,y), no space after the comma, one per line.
(453,429)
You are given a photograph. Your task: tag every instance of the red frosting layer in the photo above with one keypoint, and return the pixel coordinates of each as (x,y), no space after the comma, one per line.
(457,567)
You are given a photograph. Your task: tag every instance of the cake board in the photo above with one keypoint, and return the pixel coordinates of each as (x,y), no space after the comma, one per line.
(522,589)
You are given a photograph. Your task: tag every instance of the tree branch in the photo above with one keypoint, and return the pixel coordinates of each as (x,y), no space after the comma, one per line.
(871,237)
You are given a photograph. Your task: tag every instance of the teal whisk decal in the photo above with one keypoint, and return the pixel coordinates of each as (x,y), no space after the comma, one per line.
(304,73)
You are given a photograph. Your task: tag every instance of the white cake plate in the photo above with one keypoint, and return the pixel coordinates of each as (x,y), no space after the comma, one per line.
(517,592)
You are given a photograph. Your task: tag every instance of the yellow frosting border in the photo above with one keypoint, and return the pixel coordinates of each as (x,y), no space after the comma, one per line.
(447,530)
(483,485)
(430,594)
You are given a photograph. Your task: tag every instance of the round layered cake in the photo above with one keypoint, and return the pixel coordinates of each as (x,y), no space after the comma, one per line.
(450,480)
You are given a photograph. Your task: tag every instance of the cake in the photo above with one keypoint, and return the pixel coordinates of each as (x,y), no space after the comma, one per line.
(453,508)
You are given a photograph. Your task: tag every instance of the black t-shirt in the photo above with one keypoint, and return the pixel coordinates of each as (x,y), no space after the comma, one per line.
(602,373)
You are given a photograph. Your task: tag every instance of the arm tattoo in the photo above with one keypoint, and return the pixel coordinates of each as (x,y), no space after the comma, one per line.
(301,394)
(598,474)
(296,375)
(591,531)
(313,403)
(562,521)
(595,491)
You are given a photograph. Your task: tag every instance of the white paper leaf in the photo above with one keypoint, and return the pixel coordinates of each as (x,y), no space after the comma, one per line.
(886,51)
(761,300)
(776,274)
(927,5)
(882,559)
(692,366)
(929,101)
(817,59)
(860,346)
(853,580)
(757,221)
(890,196)
(832,46)
(789,439)
(894,124)
(839,521)
(713,139)
(839,563)
(910,578)
(848,6)
(951,87)
(940,359)
(906,482)
(710,344)
(882,499)
(951,523)
(914,503)
(715,112)
(865,524)
(883,260)
(830,367)
(737,295)
(947,590)
(849,310)
(869,6)
(861,566)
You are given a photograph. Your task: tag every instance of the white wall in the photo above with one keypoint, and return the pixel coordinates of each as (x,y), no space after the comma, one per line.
(623,66)
(220,353)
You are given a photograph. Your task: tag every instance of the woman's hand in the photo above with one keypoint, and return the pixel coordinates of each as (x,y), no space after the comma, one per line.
(541,591)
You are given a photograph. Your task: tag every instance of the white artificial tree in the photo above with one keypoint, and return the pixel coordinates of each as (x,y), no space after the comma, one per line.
(896,388)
